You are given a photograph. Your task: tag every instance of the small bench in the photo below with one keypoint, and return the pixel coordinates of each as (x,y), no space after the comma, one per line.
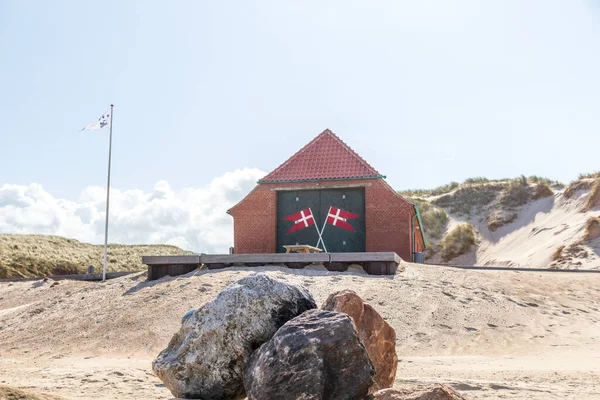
(301,248)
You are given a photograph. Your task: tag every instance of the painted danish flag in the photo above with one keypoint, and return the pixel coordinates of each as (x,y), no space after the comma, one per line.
(338,217)
(302,219)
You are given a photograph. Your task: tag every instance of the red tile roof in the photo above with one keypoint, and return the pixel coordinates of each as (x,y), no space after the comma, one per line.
(326,157)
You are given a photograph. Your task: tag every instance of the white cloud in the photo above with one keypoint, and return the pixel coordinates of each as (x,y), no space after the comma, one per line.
(193,218)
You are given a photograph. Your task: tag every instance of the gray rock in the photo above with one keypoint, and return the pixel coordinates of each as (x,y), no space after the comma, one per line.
(206,358)
(188,314)
(316,356)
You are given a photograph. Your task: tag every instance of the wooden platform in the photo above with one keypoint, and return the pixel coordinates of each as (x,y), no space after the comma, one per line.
(383,263)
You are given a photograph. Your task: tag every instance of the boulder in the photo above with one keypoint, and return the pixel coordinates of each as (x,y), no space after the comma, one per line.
(377,335)
(206,358)
(430,392)
(188,314)
(316,356)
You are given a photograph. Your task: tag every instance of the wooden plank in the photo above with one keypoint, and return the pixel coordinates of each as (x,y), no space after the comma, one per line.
(337,266)
(158,271)
(166,260)
(150,274)
(377,267)
(365,257)
(263,258)
(180,269)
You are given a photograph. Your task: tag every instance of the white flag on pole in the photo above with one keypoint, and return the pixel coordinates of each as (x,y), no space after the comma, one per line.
(103,122)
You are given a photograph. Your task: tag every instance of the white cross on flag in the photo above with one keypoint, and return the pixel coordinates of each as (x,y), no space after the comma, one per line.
(302,219)
(338,217)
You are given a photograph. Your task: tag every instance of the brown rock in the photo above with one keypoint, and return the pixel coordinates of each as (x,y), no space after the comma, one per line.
(436,392)
(377,335)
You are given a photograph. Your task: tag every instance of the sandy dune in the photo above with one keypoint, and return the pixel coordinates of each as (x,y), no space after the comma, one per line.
(541,228)
(490,334)
(530,241)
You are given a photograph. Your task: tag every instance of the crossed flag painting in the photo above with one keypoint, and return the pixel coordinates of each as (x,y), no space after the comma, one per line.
(302,219)
(335,217)
(338,217)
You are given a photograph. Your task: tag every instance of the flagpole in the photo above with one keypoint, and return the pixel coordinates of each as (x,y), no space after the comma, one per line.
(321,233)
(107,194)
(320,238)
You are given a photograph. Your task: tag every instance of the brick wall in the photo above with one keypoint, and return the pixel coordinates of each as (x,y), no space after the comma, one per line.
(388,217)
(388,220)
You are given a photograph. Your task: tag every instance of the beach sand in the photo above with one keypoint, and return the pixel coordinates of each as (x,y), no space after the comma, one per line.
(489,334)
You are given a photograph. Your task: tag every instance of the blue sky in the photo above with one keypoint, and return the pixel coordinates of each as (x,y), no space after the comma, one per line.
(427,92)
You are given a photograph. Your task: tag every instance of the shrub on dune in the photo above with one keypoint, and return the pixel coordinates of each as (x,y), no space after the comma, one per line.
(434,219)
(458,241)
(541,190)
(593,198)
(592,229)
(583,182)
(516,193)
(557,255)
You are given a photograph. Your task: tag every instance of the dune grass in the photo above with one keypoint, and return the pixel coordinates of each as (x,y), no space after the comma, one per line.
(431,192)
(25,256)
(477,181)
(541,190)
(589,175)
(593,198)
(592,229)
(434,219)
(576,186)
(589,182)
(477,193)
(467,199)
(557,255)
(498,218)
(458,241)
(540,179)
(584,181)
(516,193)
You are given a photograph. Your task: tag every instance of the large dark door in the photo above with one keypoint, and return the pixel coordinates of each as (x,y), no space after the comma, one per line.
(343,237)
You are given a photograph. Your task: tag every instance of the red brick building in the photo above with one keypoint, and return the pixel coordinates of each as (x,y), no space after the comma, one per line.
(326,195)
